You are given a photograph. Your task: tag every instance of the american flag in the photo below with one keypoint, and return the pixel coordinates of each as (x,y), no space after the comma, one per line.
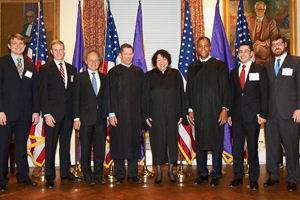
(112,49)
(112,46)
(186,140)
(38,54)
(242,31)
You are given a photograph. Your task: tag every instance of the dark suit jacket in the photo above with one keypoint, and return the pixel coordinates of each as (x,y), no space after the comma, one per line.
(85,101)
(55,99)
(18,97)
(284,91)
(253,99)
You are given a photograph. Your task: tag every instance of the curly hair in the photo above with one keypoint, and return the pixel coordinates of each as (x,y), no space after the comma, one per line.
(164,54)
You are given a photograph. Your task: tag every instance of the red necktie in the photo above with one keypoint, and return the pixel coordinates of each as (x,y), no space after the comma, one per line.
(62,72)
(242,77)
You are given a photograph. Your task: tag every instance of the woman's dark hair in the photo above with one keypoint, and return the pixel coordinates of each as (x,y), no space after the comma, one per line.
(164,54)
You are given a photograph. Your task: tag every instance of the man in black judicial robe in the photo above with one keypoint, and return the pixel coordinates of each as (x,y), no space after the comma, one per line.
(208,103)
(124,93)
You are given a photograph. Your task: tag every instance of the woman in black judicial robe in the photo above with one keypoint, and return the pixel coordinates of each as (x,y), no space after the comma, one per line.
(164,111)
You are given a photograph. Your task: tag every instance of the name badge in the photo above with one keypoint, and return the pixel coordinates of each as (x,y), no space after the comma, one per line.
(72,78)
(28,74)
(287,71)
(254,76)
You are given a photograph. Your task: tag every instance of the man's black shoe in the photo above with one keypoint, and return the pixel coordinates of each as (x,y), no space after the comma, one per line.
(292,186)
(253,185)
(70,177)
(200,180)
(214,182)
(2,187)
(100,180)
(50,183)
(120,180)
(28,182)
(134,179)
(89,181)
(270,182)
(236,182)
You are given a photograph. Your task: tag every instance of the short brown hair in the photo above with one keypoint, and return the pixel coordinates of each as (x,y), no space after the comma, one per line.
(54,42)
(125,45)
(15,35)
(277,37)
(87,52)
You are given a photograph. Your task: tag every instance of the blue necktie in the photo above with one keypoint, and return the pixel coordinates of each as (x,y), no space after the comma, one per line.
(94,83)
(277,67)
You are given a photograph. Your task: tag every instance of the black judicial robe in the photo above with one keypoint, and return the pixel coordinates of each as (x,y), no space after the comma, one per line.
(164,103)
(207,92)
(124,93)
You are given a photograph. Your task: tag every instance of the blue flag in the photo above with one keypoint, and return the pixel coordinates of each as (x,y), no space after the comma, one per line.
(220,49)
(79,45)
(242,31)
(139,59)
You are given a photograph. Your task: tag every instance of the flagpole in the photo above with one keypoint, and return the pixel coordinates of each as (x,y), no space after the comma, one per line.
(180,173)
(77,170)
(145,173)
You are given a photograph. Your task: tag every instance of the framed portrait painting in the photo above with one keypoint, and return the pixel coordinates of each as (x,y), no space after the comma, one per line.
(265,18)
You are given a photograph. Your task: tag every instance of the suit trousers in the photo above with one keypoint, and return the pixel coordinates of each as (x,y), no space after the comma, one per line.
(21,130)
(285,130)
(202,163)
(120,167)
(63,130)
(242,129)
(96,135)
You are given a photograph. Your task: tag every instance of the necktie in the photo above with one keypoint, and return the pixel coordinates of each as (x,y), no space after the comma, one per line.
(62,72)
(242,77)
(19,67)
(277,67)
(94,83)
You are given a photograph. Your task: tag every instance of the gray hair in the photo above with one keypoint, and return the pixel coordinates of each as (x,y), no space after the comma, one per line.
(260,2)
(31,13)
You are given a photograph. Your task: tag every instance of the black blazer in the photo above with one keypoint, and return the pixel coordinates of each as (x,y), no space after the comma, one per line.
(85,101)
(55,99)
(253,99)
(18,97)
(284,91)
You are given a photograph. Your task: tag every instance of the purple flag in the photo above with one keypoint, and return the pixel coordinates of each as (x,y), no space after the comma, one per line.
(139,58)
(79,45)
(220,49)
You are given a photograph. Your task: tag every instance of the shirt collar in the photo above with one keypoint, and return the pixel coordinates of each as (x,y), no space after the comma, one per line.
(206,59)
(57,63)
(247,64)
(126,65)
(260,19)
(90,71)
(282,57)
(14,57)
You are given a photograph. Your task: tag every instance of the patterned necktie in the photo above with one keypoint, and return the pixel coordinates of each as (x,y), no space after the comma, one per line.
(242,77)
(19,67)
(94,83)
(62,72)
(277,67)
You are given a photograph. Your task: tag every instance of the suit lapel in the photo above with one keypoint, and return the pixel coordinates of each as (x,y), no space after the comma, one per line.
(250,71)
(87,79)
(12,65)
(56,73)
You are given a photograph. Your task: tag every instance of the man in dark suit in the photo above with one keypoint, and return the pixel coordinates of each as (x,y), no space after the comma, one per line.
(56,99)
(19,108)
(249,109)
(90,116)
(284,113)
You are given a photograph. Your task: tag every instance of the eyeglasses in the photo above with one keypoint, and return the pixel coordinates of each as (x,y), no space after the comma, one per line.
(277,44)
(29,16)
(245,51)
(260,9)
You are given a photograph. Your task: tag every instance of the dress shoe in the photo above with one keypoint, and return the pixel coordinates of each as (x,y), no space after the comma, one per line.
(253,185)
(2,187)
(70,177)
(214,182)
(236,182)
(50,183)
(270,182)
(89,181)
(173,179)
(134,179)
(158,180)
(28,182)
(120,180)
(200,180)
(292,186)
(100,180)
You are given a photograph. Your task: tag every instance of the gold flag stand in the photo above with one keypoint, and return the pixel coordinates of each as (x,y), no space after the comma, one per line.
(145,173)
(180,173)
(111,173)
(39,175)
(77,170)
